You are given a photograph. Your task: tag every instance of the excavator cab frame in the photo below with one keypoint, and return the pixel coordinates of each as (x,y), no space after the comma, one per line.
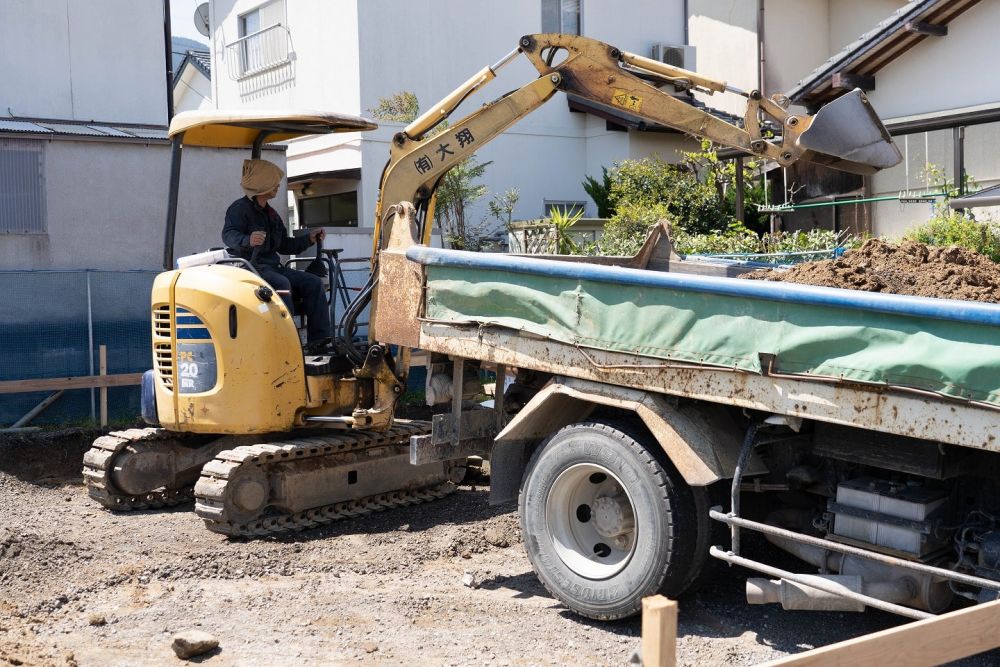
(243,129)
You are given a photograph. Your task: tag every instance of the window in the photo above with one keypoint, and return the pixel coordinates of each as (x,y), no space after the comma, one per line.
(561,16)
(566,207)
(340,210)
(263,39)
(22,186)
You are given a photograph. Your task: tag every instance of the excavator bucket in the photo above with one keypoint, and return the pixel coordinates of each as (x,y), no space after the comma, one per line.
(846,134)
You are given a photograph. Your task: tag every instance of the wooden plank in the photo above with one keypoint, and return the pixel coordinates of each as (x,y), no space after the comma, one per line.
(78,382)
(37,410)
(659,632)
(933,641)
(103,370)
(923,28)
(851,80)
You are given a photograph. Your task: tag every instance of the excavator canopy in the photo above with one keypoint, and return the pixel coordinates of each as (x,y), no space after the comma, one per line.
(235,129)
(230,129)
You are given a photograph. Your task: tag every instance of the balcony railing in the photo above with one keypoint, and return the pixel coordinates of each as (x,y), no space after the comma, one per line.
(259,52)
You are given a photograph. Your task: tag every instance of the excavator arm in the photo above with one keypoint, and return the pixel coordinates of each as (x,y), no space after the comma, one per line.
(846,134)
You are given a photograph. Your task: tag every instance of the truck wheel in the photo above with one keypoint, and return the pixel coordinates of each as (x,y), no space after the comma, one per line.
(606,522)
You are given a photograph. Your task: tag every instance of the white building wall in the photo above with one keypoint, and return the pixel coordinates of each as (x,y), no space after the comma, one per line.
(193,91)
(849,19)
(943,73)
(429,47)
(323,68)
(901,89)
(86,60)
(86,228)
(799,35)
(548,153)
(724,33)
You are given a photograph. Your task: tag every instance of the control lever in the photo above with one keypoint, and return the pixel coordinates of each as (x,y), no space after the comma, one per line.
(317,267)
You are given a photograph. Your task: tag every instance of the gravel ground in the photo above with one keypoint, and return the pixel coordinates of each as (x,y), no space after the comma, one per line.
(82,586)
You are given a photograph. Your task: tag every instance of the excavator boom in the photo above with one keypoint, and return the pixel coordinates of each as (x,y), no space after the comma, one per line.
(845,135)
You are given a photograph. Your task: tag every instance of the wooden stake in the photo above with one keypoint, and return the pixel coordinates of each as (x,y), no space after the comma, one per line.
(103,357)
(659,632)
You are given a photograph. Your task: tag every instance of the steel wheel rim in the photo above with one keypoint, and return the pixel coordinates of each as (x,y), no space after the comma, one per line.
(590,520)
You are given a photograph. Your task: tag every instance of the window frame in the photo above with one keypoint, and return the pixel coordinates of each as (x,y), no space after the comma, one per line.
(303,219)
(568,206)
(261,62)
(40,205)
(557,5)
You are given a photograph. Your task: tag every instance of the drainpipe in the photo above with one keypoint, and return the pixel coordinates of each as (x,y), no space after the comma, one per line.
(167,48)
(687,19)
(958,138)
(760,47)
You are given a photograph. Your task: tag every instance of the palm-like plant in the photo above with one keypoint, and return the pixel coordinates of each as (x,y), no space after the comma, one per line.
(562,220)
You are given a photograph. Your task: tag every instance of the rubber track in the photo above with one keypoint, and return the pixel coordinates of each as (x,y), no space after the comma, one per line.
(211,497)
(97,467)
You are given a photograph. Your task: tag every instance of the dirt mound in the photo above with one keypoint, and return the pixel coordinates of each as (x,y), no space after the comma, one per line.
(904,268)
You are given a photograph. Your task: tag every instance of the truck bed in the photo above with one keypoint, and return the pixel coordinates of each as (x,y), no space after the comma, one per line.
(907,365)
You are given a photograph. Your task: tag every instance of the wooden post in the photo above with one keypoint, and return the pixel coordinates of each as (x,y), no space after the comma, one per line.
(103,370)
(659,632)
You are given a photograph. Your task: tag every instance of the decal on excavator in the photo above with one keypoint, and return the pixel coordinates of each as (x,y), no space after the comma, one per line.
(196,360)
(626,100)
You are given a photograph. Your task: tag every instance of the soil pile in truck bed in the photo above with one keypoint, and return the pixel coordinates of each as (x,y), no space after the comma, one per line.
(900,268)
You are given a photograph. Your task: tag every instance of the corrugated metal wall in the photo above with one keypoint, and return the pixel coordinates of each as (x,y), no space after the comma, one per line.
(22,186)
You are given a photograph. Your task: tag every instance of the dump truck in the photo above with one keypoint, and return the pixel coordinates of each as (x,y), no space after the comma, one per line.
(643,385)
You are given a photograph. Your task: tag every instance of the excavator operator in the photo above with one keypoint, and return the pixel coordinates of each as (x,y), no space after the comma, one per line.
(251,223)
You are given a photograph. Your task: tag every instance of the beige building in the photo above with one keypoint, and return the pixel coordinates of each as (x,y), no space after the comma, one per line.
(924,65)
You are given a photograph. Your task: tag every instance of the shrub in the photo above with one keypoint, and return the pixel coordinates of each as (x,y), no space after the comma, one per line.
(627,228)
(600,192)
(563,221)
(693,204)
(952,228)
(949,227)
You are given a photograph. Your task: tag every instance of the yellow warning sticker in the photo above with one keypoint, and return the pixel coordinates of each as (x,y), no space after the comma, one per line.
(626,100)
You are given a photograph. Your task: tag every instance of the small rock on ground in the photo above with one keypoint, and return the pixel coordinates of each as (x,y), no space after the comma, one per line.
(190,643)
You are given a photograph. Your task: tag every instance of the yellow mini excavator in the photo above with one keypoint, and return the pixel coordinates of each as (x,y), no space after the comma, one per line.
(268,438)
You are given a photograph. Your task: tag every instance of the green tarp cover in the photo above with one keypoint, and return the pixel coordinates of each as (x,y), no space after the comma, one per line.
(955,358)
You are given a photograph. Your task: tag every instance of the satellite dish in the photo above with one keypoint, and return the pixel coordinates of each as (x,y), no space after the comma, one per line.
(201,18)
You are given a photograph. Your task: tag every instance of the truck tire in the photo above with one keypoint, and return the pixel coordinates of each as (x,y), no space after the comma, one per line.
(608,521)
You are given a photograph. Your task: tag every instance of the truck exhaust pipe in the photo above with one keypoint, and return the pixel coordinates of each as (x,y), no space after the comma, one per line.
(919,590)
(800,596)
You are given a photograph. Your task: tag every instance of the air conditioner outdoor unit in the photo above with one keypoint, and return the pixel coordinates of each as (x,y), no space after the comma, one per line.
(677,55)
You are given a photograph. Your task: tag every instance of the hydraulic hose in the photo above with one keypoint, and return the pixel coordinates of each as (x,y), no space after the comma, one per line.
(349,322)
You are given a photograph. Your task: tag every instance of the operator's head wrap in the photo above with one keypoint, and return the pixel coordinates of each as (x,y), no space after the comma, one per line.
(260,176)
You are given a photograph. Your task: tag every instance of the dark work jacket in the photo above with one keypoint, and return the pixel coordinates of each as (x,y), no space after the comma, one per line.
(245,216)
